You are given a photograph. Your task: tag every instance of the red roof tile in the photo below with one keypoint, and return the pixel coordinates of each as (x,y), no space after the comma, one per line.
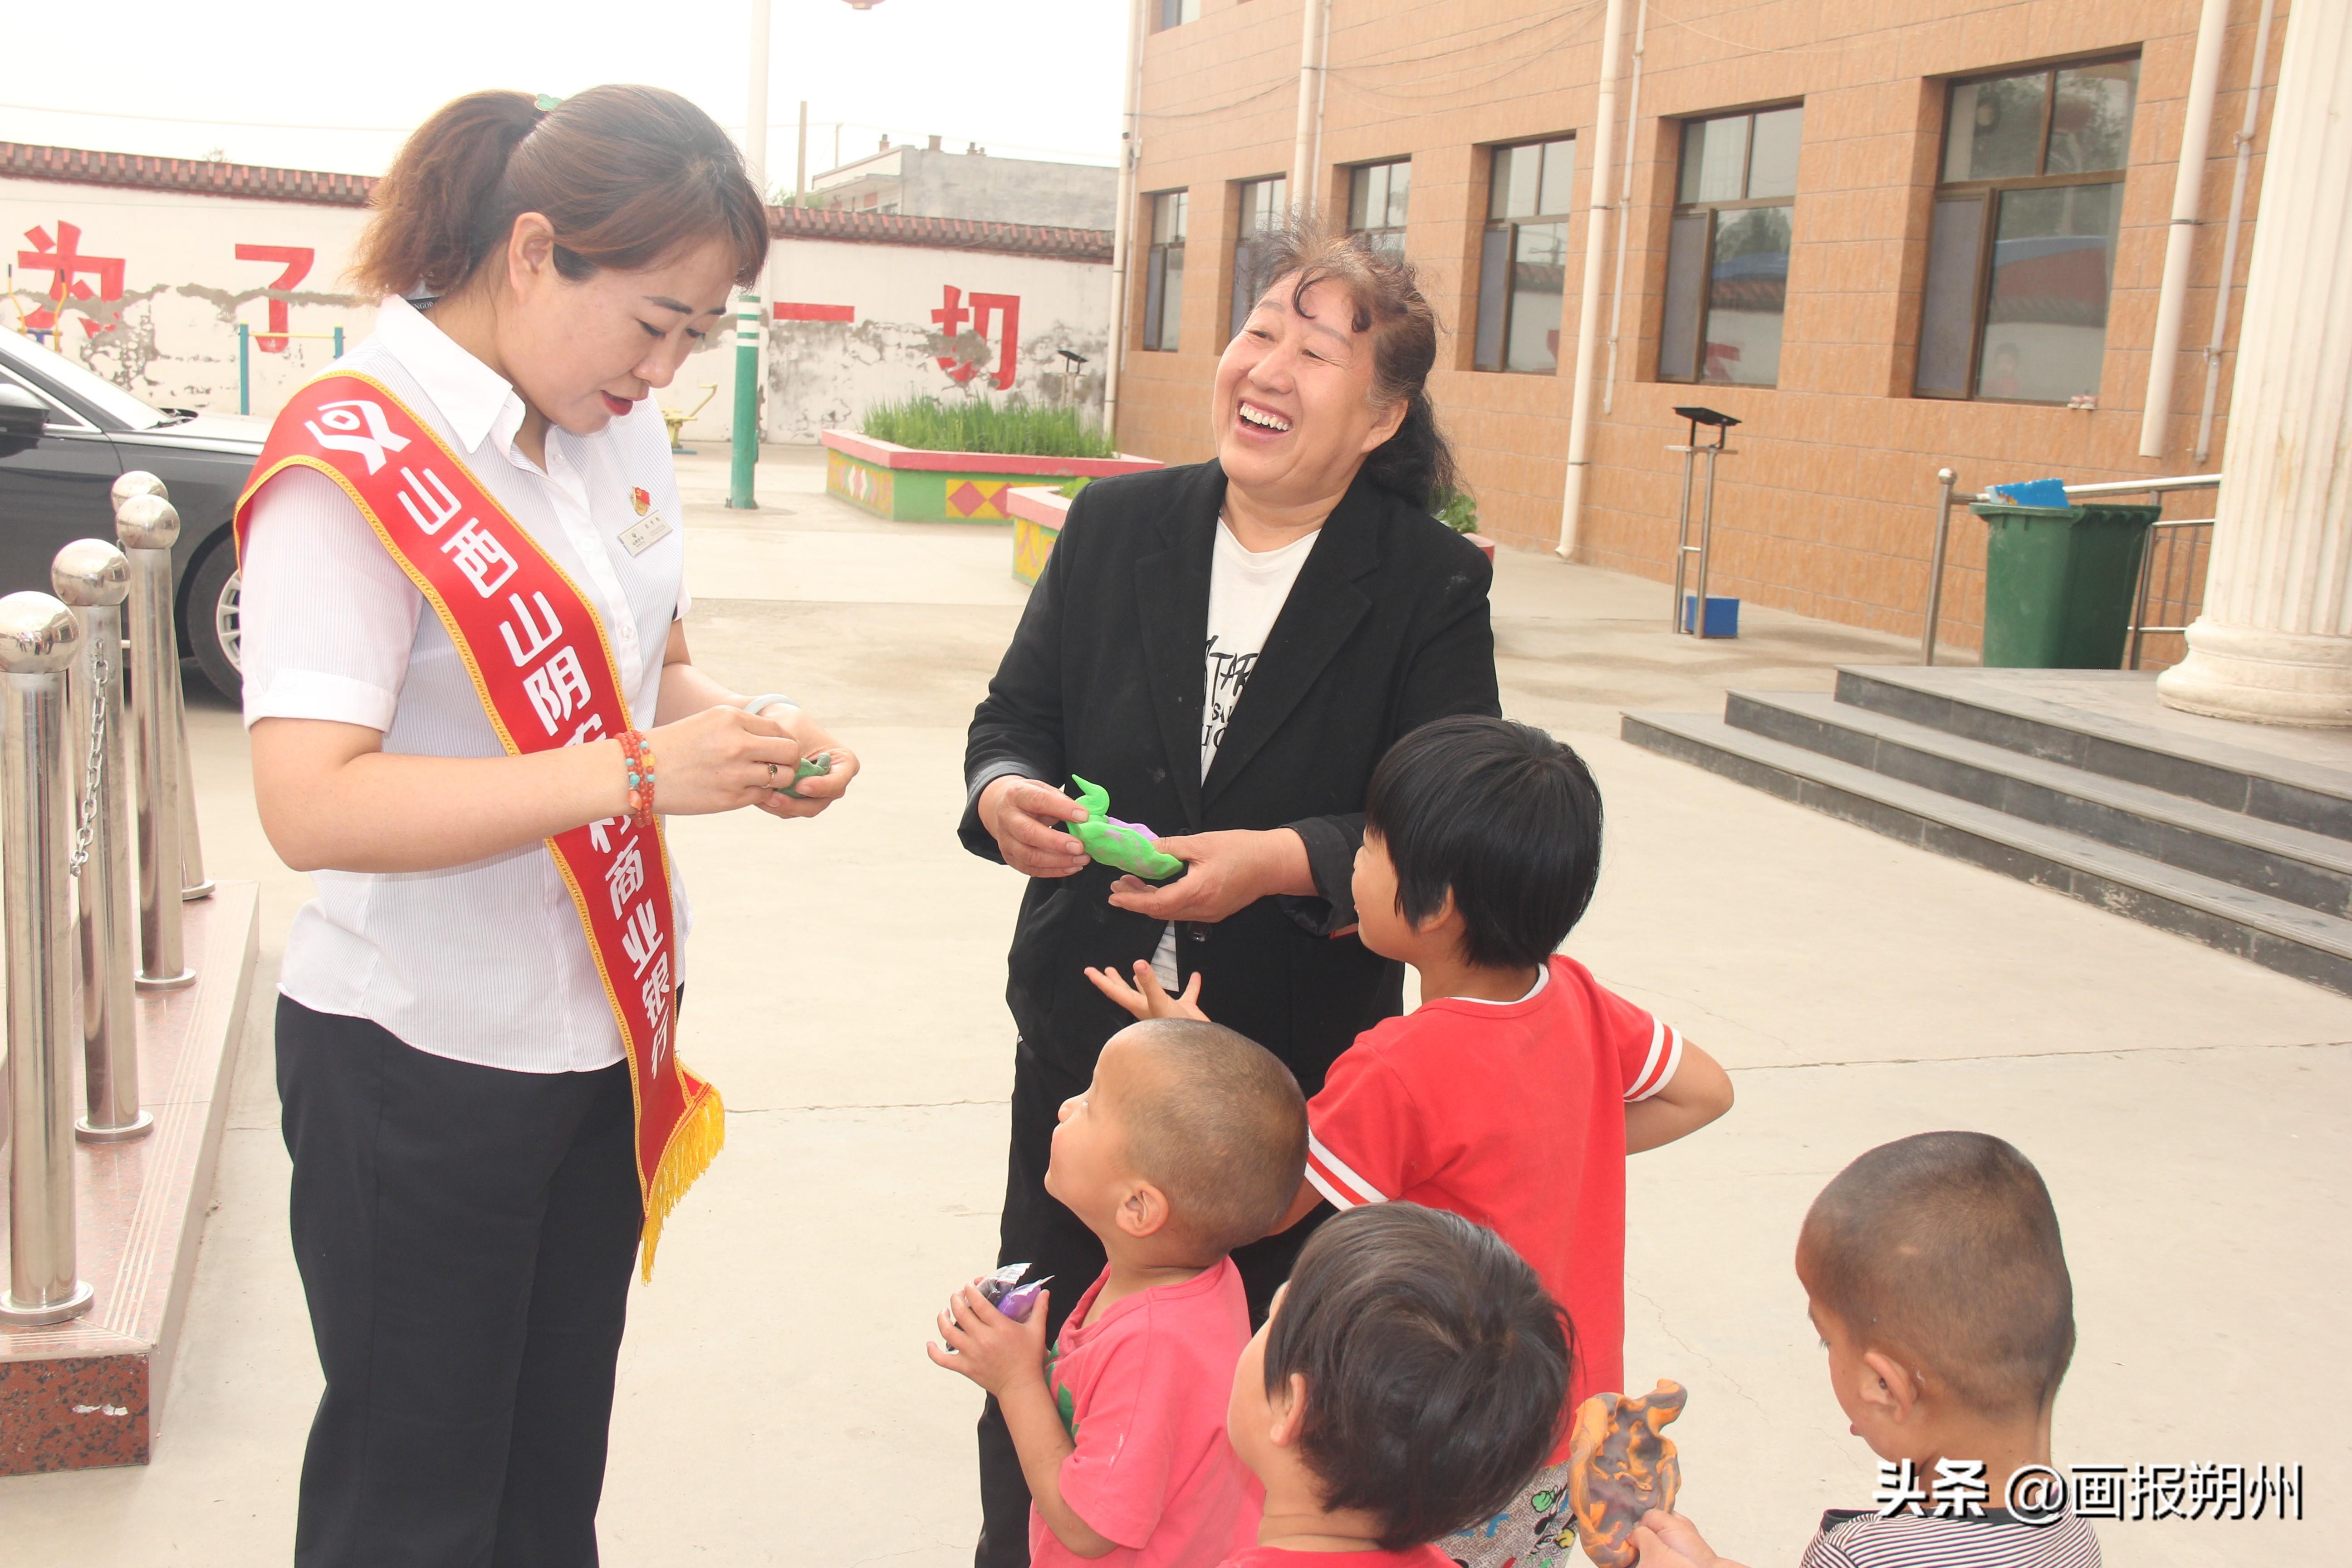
(940,232)
(79,165)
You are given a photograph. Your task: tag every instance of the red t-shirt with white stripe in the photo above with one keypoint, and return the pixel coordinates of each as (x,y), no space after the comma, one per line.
(1511,1114)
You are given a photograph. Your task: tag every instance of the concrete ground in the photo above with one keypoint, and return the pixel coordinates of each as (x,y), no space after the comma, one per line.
(2188,1109)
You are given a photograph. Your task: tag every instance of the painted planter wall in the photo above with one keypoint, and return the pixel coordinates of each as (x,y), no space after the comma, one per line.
(1037,515)
(910,486)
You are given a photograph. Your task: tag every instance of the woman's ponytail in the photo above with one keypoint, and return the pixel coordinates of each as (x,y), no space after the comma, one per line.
(625,175)
(429,207)
(1416,462)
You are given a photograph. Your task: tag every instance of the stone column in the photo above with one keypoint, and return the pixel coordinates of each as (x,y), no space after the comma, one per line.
(2275,642)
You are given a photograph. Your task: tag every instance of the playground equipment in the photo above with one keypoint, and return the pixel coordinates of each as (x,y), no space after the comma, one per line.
(678,422)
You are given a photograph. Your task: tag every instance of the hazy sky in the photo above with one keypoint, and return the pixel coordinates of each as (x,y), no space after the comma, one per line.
(339,89)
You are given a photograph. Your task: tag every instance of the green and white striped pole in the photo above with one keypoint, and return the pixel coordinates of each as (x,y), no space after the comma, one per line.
(747,402)
(749,327)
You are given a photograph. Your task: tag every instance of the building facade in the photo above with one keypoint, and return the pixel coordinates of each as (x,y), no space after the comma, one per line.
(1884,247)
(931,182)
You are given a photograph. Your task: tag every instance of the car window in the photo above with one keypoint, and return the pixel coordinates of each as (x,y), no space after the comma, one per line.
(61,413)
(72,379)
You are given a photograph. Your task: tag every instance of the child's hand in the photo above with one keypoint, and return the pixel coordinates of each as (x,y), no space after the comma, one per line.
(1147,998)
(1665,1540)
(990,1348)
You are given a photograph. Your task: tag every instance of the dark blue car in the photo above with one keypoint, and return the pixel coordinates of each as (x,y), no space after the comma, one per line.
(65,433)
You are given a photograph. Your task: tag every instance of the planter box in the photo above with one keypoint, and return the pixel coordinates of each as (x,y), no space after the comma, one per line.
(1038,513)
(908,485)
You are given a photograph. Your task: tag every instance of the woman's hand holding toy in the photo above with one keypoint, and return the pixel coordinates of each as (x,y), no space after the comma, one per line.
(1025,819)
(1224,873)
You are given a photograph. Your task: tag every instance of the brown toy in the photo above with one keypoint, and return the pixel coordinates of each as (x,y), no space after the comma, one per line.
(1620,1466)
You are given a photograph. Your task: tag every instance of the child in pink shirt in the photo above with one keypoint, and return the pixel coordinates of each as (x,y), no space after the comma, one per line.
(1190,1141)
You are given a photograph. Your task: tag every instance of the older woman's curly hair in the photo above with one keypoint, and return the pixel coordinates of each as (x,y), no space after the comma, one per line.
(1416,463)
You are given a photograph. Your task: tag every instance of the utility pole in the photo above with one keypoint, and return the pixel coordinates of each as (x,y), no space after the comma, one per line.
(800,161)
(1122,221)
(749,326)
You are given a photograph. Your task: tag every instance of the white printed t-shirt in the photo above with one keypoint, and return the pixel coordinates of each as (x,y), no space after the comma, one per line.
(1247,589)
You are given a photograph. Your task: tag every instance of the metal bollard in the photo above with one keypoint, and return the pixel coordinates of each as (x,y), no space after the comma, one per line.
(194,883)
(148,526)
(39,639)
(1945,479)
(93,576)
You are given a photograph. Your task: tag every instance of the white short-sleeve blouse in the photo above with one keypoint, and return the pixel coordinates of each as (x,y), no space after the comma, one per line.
(484,962)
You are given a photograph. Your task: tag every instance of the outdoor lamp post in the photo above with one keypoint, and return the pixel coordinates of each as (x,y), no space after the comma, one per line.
(1721,424)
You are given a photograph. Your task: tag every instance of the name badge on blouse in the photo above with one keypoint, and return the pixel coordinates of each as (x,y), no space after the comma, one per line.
(645,535)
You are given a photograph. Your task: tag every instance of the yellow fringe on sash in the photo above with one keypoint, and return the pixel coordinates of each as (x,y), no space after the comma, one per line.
(692,1147)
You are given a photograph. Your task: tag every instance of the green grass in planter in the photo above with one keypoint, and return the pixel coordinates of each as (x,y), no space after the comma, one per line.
(972,424)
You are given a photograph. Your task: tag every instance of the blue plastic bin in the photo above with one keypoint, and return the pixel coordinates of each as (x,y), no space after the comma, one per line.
(1722,615)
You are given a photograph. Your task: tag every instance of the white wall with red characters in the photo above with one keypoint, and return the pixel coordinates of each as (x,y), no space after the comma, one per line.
(157,282)
(853,323)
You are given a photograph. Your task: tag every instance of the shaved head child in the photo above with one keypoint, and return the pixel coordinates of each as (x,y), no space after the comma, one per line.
(1189,1141)
(1938,1284)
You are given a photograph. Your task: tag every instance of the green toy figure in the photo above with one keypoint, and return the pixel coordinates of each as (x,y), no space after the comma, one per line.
(810,767)
(1122,846)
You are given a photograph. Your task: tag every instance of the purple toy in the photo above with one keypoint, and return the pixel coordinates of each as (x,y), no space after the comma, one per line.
(1003,1290)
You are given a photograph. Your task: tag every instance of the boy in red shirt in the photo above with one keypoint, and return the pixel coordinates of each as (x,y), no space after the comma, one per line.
(1513,1094)
(1407,1381)
(1190,1141)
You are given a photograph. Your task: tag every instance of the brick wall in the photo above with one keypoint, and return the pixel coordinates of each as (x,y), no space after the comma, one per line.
(1827,507)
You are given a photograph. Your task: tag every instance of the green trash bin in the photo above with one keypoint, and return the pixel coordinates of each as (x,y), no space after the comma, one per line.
(2060,581)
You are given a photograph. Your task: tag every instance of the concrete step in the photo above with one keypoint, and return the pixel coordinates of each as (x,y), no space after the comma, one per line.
(2299,867)
(2271,932)
(2227,773)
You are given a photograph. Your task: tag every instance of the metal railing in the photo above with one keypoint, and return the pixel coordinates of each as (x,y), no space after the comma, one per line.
(2178,585)
(65,810)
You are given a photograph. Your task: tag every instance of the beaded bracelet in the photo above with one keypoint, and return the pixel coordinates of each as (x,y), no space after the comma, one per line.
(640,759)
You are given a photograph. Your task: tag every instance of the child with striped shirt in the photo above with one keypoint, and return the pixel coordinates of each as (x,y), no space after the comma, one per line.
(1938,1286)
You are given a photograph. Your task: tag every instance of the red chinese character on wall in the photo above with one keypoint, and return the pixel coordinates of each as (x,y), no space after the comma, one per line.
(297,260)
(1004,311)
(62,258)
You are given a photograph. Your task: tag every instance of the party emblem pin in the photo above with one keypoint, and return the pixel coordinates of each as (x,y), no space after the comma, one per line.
(639,500)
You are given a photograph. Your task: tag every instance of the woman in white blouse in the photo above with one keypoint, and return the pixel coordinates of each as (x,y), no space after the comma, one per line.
(467,1196)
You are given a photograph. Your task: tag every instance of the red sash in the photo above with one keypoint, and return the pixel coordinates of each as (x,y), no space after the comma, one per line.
(544,671)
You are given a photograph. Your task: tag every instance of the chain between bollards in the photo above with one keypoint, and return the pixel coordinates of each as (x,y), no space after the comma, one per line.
(39,640)
(94,577)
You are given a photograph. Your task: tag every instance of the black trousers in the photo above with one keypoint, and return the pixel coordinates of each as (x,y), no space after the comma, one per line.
(465,1236)
(1038,1230)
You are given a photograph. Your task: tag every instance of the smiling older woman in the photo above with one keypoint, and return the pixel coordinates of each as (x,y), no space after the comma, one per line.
(1229,648)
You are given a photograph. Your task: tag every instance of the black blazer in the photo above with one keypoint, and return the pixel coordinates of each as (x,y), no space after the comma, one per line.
(1386,628)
